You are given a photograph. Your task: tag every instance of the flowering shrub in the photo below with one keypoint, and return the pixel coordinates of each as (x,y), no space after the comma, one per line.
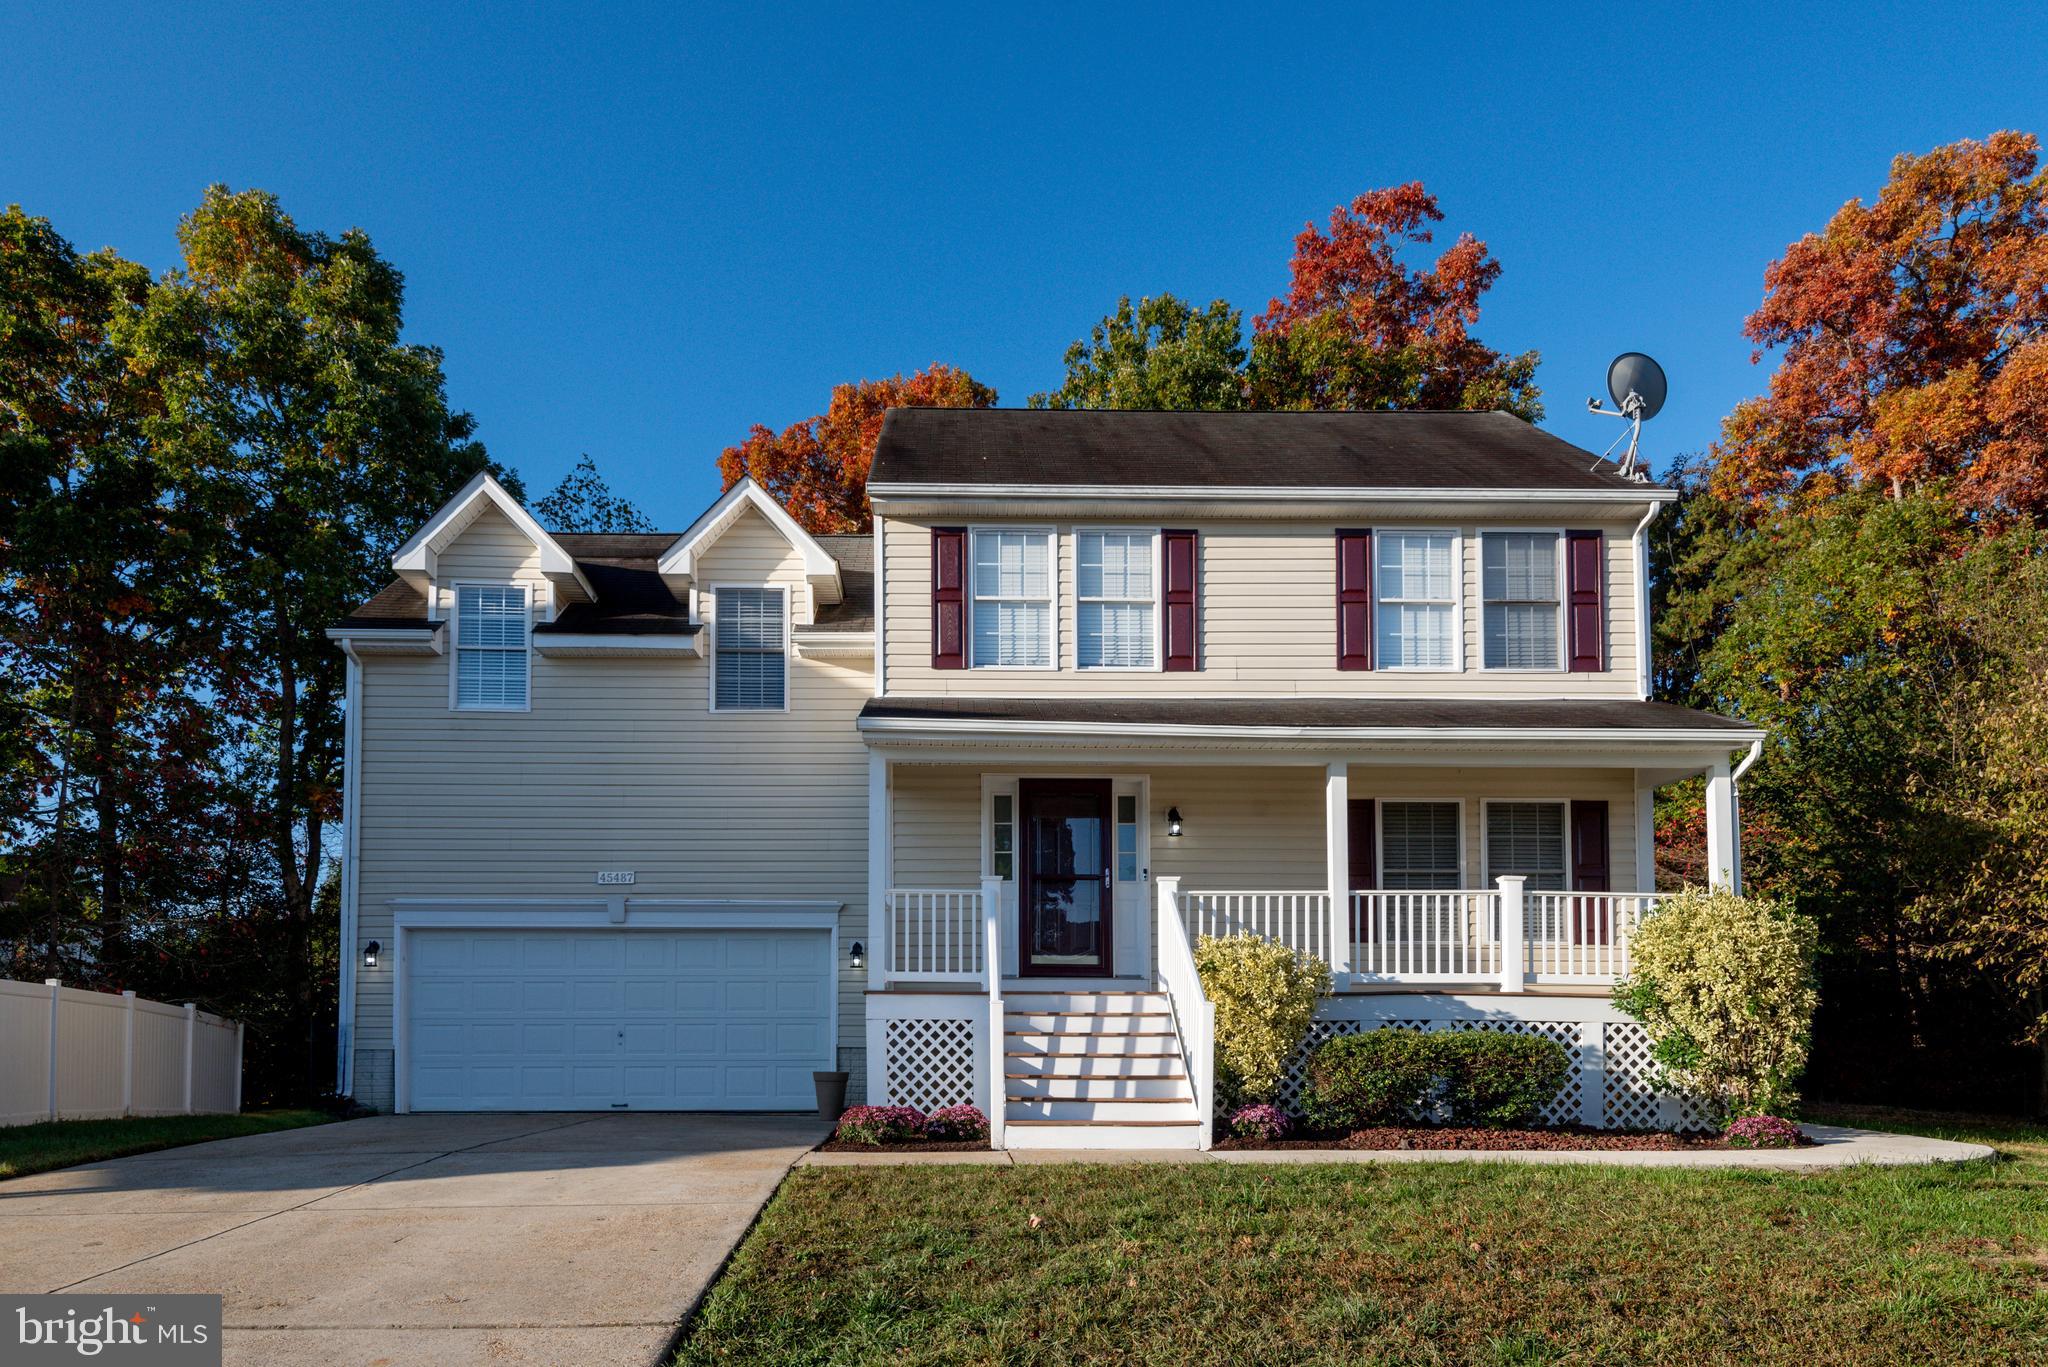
(1261,1122)
(1265,996)
(1724,984)
(956,1123)
(1761,1132)
(880,1124)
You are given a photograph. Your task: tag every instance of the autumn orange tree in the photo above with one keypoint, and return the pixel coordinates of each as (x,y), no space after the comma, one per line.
(1914,353)
(818,468)
(1359,327)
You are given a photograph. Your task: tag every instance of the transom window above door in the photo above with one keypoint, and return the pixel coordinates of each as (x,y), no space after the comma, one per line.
(1417,585)
(1013,600)
(1116,612)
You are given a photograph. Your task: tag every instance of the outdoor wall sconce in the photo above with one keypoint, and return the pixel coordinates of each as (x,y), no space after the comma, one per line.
(859,955)
(370,954)
(1173,823)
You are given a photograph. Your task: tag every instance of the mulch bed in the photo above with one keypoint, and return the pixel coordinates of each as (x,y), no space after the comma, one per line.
(1449,1137)
(838,1145)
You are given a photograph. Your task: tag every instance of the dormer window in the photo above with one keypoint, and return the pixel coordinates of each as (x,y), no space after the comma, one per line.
(492,622)
(750,650)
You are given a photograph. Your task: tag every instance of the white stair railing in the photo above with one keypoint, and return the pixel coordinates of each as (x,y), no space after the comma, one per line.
(936,934)
(991,915)
(1193,1013)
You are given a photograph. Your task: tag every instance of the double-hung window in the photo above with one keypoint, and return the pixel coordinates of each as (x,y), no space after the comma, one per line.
(1416,579)
(1419,846)
(750,657)
(1013,600)
(1527,838)
(491,622)
(1116,613)
(1523,609)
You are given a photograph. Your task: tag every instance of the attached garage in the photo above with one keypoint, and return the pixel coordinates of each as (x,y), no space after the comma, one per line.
(615,1019)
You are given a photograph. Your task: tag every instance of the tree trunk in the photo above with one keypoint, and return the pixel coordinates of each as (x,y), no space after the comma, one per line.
(107,848)
(298,897)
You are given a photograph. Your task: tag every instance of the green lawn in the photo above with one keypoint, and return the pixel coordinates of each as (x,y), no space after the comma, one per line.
(1450,1263)
(38,1148)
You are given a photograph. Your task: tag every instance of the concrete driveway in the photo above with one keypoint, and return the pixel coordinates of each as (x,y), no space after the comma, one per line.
(499,1239)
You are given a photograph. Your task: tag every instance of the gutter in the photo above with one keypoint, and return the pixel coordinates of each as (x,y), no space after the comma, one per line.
(980,726)
(1350,493)
(1756,749)
(1642,550)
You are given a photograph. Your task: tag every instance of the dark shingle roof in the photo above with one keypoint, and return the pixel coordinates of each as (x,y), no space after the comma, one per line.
(1102,448)
(1624,714)
(631,597)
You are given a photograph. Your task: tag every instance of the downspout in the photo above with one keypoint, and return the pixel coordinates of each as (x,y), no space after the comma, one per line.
(1642,550)
(351,847)
(1756,749)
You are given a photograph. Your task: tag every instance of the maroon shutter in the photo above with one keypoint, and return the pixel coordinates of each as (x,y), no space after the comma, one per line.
(1589,871)
(1585,615)
(949,598)
(1354,600)
(1182,600)
(1364,870)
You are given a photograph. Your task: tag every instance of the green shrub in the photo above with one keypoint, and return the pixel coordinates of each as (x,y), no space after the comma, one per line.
(1265,996)
(1724,984)
(1379,1077)
(1496,1079)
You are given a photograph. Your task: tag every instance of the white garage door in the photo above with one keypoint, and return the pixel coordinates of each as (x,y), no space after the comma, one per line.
(596,1020)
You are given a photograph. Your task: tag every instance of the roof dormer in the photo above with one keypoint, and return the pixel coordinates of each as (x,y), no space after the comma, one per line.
(679,564)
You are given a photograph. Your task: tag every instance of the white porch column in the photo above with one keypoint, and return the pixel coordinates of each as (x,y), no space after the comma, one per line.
(1720,826)
(1646,836)
(1337,866)
(878,869)
(1512,936)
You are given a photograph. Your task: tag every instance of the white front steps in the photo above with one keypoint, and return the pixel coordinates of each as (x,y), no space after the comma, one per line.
(1095,1069)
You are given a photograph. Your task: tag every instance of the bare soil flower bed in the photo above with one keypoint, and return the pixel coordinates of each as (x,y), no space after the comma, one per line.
(837,1145)
(1451,1137)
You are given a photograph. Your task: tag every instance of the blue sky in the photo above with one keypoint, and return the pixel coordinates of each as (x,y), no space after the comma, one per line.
(636,231)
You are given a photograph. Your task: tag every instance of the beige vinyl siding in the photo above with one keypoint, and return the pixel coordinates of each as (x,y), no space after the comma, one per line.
(620,764)
(490,551)
(1246,827)
(1269,624)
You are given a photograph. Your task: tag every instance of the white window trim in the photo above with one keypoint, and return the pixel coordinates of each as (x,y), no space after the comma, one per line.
(1158,665)
(1457,600)
(711,624)
(455,588)
(1379,838)
(1052,601)
(1563,645)
(1565,826)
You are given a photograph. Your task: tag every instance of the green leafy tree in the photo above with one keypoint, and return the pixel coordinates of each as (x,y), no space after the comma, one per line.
(1160,353)
(302,439)
(584,502)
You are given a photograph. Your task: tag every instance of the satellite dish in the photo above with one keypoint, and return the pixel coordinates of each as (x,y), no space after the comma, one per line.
(1632,376)
(1636,384)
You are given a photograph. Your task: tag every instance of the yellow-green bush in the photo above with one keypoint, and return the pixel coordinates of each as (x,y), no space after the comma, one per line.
(1724,984)
(1265,996)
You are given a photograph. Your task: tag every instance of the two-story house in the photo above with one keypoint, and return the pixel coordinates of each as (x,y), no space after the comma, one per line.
(948,806)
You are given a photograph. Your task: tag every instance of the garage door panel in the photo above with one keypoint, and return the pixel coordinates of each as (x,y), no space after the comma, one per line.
(604,1019)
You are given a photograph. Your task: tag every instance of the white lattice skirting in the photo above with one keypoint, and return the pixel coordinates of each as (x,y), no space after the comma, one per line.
(928,1050)
(1609,1086)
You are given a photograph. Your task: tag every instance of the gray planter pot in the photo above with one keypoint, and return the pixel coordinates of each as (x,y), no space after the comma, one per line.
(831,1094)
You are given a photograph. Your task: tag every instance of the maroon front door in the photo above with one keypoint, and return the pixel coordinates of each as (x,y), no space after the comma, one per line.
(1064,896)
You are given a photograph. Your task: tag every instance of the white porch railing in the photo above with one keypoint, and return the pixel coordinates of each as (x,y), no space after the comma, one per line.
(1299,920)
(1194,1015)
(1507,936)
(935,935)
(1581,937)
(1416,937)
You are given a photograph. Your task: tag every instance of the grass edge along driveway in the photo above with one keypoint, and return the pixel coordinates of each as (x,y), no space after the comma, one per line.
(26,1149)
(1427,1263)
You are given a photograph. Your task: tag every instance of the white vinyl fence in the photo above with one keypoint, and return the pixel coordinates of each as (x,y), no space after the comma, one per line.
(69,1054)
